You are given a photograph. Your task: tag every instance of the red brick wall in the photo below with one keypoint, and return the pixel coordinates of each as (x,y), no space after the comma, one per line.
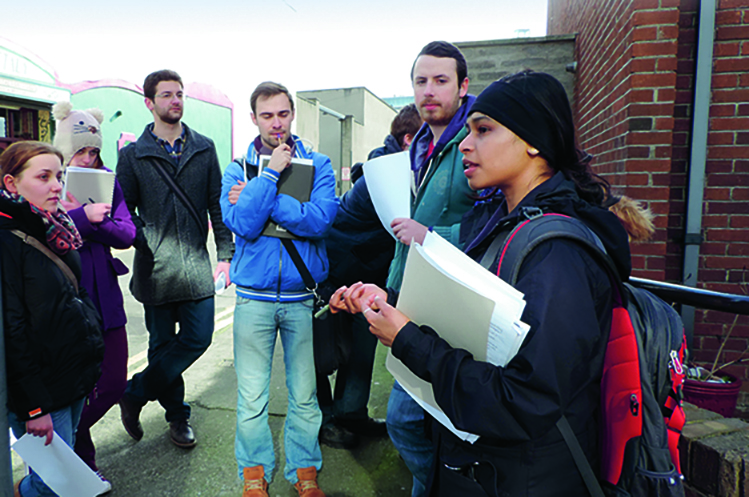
(633,110)
(724,255)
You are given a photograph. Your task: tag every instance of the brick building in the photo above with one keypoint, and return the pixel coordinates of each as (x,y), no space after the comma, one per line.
(636,112)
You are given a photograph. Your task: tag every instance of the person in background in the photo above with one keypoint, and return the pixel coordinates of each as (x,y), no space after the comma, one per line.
(172,273)
(53,343)
(522,144)
(102,226)
(359,249)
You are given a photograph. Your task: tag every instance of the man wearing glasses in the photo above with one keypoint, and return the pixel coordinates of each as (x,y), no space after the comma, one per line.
(171,179)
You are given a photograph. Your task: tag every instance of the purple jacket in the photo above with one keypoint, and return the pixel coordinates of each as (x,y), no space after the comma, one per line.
(100,269)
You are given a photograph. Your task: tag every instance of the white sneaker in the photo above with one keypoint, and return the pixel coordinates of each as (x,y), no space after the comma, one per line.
(107,485)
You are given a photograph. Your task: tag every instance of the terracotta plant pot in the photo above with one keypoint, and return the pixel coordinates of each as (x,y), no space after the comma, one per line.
(716,397)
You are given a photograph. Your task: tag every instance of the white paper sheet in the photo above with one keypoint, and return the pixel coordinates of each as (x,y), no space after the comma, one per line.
(59,467)
(389,183)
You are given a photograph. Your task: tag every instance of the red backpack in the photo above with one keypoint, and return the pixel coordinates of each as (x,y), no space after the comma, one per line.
(641,412)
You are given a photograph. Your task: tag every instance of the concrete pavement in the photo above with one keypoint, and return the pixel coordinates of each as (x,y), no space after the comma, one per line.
(155,467)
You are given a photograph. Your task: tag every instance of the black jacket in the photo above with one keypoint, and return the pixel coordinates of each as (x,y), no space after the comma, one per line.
(556,371)
(171,261)
(53,343)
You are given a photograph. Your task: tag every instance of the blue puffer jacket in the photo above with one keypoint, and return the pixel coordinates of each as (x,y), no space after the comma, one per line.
(261,267)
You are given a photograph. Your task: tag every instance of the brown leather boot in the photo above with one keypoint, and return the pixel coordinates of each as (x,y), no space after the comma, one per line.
(307,484)
(254,482)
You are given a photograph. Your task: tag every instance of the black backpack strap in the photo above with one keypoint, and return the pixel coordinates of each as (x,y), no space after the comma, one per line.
(309,281)
(182,196)
(579,456)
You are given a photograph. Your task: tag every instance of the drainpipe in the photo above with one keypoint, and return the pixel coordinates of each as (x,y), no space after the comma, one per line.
(6,471)
(698,155)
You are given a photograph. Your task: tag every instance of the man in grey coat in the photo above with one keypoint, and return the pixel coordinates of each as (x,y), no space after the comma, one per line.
(172,269)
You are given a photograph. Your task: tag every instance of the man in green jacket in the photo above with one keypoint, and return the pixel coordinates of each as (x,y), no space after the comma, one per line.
(440,198)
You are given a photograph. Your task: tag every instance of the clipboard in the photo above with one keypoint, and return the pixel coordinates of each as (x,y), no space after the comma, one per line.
(296,181)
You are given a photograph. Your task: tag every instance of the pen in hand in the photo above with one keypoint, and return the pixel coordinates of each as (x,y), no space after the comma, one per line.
(92,201)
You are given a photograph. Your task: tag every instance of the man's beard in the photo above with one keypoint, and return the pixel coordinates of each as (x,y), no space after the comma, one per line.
(169,118)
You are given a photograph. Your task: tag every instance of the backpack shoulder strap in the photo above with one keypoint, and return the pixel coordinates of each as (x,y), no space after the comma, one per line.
(538,228)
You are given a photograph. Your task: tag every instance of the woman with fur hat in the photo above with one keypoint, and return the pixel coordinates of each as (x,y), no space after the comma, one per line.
(522,143)
(53,343)
(102,227)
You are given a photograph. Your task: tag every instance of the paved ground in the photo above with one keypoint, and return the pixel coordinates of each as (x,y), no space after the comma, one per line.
(155,467)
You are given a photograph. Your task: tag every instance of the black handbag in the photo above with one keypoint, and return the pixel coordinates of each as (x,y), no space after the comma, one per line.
(330,335)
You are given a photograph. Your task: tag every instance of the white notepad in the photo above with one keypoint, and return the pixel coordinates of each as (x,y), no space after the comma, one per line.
(89,186)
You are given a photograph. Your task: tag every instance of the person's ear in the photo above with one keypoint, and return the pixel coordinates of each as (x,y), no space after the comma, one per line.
(254,119)
(149,103)
(463,90)
(408,138)
(10,183)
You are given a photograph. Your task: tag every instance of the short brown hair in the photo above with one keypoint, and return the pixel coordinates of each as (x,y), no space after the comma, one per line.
(269,89)
(153,79)
(407,122)
(16,158)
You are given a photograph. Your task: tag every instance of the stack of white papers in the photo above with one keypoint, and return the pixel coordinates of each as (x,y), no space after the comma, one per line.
(466,305)
(89,186)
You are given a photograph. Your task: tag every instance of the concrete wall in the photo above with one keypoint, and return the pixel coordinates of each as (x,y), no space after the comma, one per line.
(371,118)
(490,60)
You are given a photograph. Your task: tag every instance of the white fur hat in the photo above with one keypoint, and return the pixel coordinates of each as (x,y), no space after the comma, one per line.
(76,129)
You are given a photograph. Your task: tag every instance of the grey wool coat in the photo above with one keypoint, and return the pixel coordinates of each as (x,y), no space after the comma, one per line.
(171,259)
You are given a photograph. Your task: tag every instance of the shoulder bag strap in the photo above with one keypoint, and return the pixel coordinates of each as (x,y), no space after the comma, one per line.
(579,456)
(180,193)
(30,240)
(309,281)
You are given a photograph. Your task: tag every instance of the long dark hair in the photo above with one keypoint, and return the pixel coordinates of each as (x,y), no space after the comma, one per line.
(535,107)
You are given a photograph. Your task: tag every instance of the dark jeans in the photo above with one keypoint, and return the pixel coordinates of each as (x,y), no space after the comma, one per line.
(353,379)
(171,352)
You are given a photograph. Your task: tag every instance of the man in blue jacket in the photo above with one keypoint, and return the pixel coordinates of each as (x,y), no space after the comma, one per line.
(272,297)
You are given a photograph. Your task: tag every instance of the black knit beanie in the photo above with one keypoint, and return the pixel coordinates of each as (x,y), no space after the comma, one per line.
(534,106)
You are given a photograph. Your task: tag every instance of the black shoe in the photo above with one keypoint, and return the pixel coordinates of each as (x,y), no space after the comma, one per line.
(181,433)
(337,437)
(130,414)
(367,427)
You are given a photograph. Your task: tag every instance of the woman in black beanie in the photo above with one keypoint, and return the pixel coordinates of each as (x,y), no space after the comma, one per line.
(522,144)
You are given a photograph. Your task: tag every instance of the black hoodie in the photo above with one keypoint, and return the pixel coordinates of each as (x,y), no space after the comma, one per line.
(53,343)
(556,371)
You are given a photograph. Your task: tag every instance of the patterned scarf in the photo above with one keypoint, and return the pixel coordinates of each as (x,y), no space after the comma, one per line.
(62,235)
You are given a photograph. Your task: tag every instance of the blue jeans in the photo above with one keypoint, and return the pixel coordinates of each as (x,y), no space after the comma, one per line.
(65,422)
(170,353)
(405,422)
(256,325)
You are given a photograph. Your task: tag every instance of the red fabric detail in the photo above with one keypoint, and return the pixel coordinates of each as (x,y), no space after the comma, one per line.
(430,148)
(5,215)
(674,426)
(621,380)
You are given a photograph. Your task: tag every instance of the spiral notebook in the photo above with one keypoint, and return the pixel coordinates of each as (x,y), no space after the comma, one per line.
(89,186)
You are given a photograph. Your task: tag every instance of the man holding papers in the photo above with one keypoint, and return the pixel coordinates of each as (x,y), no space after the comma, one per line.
(272,297)
(441,197)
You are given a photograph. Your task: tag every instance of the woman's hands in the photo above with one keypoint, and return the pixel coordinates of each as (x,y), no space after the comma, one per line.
(385,321)
(350,299)
(94,212)
(41,427)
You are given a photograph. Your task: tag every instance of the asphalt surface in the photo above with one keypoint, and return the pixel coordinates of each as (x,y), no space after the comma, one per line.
(156,467)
